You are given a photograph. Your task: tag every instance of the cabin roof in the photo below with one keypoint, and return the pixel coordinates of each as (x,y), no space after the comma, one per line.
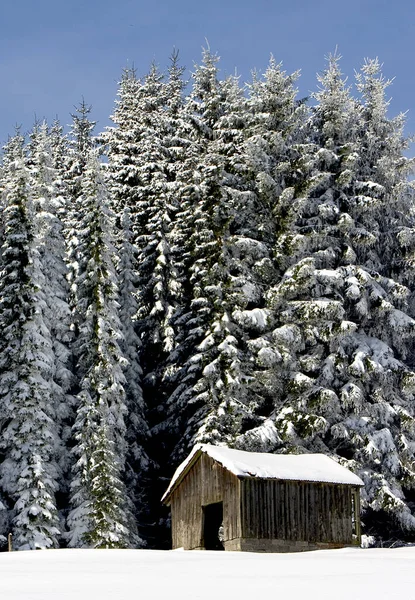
(290,467)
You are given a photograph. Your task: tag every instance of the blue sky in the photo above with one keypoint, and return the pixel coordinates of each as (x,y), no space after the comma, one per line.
(54,52)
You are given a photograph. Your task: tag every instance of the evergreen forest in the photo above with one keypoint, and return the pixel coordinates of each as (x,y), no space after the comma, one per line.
(227,264)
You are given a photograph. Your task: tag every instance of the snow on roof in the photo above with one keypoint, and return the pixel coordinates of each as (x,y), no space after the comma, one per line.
(292,467)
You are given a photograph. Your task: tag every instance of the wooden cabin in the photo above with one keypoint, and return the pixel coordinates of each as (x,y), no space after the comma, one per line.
(232,500)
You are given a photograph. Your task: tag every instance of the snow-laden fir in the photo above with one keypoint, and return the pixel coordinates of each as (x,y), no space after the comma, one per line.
(237,270)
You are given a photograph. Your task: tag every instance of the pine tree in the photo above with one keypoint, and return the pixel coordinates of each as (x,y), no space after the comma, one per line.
(209,381)
(383,191)
(100,510)
(50,210)
(142,161)
(342,386)
(157,286)
(137,433)
(122,144)
(79,147)
(81,143)
(194,239)
(252,148)
(29,472)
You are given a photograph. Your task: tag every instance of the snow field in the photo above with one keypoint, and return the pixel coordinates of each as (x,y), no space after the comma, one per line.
(152,574)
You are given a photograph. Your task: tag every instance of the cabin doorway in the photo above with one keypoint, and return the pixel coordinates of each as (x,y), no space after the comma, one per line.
(213,526)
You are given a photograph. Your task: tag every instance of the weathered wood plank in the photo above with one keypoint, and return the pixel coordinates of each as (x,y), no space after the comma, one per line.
(301,512)
(271,500)
(261,514)
(283,510)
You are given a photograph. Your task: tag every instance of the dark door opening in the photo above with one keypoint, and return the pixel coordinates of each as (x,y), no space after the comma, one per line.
(212,523)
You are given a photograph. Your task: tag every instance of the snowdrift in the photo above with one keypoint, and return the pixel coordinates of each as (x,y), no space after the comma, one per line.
(156,575)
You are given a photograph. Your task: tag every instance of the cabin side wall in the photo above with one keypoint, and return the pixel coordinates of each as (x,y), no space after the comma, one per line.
(207,482)
(186,516)
(315,513)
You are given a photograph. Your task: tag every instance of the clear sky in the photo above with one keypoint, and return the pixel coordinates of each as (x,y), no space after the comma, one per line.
(53,52)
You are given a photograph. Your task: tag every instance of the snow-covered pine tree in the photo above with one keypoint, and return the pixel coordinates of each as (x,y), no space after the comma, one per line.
(253,148)
(279,159)
(229,285)
(157,285)
(122,144)
(195,241)
(100,515)
(28,472)
(49,210)
(207,400)
(383,191)
(340,329)
(61,150)
(142,152)
(281,153)
(275,159)
(276,150)
(135,169)
(137,429)
(72,168)
(177,146)
(80,144)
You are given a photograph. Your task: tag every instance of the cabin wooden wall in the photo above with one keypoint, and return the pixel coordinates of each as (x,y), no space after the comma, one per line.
(284,510)
(286,513)
(206,482)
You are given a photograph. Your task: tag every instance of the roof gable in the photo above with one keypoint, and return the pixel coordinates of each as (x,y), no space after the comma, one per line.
(289,467)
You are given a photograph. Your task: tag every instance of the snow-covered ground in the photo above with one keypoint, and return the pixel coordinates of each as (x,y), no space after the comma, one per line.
(150,574)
